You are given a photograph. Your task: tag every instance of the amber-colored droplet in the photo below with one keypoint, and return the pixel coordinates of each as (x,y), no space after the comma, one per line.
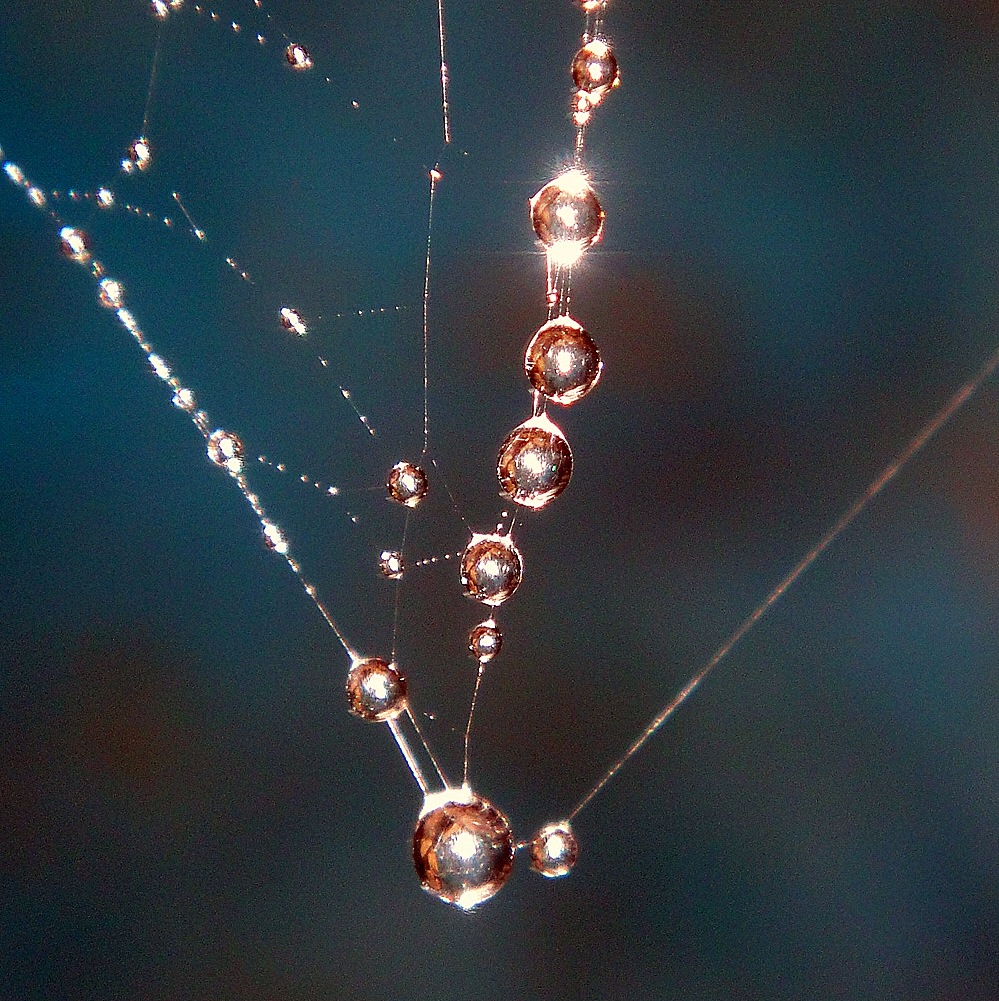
(491,568)
(554,850)
(535,463)
(462,848)
(376,689)
(567,216)
(562,361)
(594,70)
(406,484)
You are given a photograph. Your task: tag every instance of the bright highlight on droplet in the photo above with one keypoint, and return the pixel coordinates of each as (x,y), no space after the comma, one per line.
(567,217)
(298,57)
(462,848)
(226,450)
(376,690)
(74,244)
(491,568)
(110,293)
(554,850)
(406,484)
(292,320)
(535,463)
(391,565)
(562,361)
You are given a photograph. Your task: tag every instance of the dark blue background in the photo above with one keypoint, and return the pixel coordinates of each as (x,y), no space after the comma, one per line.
(798,269)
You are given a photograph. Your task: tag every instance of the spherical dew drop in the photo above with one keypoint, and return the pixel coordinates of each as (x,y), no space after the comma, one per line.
(462,848)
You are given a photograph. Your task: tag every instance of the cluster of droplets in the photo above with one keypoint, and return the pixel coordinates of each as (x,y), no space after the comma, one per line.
(463,848)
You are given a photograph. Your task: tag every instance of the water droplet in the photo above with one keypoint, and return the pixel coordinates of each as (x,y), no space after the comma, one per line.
(226,450)
(462,848)
(562,361)
(111,293)
(376,689)
(292,320)
(594,70)
(391,565)
(37,197)
(535,463)
(554,850)
(74,244)
(105,198)
(491,568)
(485,641)
(298,57)
(567,217)
(160,9)
(184,400)
(274,538)
(139,155)
(406,484)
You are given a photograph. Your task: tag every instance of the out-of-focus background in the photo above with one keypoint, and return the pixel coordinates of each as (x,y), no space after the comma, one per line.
(799,267)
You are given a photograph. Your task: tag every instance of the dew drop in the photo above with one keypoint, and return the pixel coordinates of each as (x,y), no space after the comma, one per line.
(491,568)
(535,463)
(111,293)
(462,848)
(391,565)
(298,57)
(567,217)
(138,156)
(274,538)
(376,689)
(485,641)
(554,850)
(160,10)
(562,361)
(406,484)
(594,70)
(74,244)
(184,400)
(105,198)
(292,320)
(226,450)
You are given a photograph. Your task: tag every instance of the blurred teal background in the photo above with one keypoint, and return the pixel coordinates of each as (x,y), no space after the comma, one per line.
(798,269)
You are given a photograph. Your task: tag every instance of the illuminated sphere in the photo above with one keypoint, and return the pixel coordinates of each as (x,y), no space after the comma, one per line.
(554,850)
(376,690)
(74,244)
(491,568)
(485,641)
(391,564)
(594,70)
(298,57)
(226,450)
(140,153)
(535,463)
(567,217)
(291,320)
(407,484)
(462,848)
(562,361)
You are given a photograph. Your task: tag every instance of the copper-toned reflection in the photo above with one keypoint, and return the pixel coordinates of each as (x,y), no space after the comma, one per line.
(298,57)
(225,449)
(74,244)
(491,568)
(535,463)
(406,484)
(562,361)
(554,850)
(462,848)
(594,70)
(567,217)
(376,690)
(485,641)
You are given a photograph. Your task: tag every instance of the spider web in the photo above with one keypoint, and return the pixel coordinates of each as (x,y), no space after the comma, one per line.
(141,605)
